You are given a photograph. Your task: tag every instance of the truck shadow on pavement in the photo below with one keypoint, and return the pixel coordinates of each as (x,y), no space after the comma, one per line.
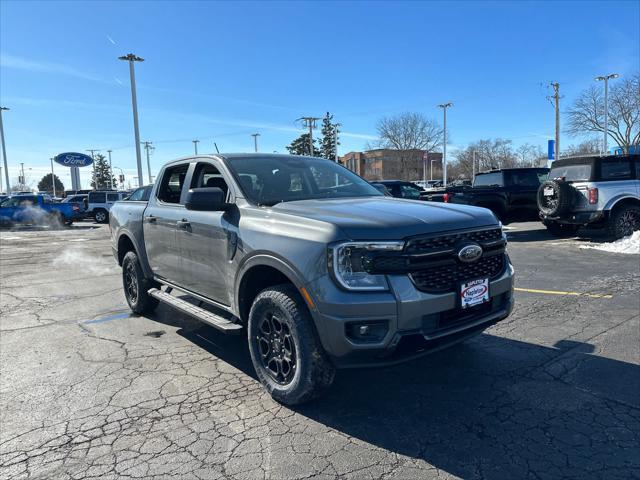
(488,408)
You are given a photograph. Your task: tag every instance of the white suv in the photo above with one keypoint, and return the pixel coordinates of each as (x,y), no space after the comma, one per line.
(100,202)
(599,191)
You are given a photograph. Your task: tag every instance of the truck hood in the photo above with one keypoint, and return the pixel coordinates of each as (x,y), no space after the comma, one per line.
(385,218)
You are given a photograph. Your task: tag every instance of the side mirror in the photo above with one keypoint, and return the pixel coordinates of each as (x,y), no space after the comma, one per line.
(208,199)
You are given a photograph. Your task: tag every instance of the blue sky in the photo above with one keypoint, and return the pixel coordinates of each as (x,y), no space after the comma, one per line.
(221,71)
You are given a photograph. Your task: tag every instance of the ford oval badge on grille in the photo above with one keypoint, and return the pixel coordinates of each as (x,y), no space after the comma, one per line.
(470,253)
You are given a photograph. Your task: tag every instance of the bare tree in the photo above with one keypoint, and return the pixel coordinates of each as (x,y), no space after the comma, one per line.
(586,115)
(529,155)
(409,131)
(588,147)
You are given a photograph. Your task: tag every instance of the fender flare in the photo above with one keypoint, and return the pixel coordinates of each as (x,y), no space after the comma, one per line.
(612,202)
(142,256)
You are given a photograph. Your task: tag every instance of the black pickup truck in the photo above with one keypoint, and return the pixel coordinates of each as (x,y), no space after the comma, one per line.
(510,193)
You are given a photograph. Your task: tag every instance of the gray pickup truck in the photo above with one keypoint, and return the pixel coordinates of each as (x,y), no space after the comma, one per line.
(321,269)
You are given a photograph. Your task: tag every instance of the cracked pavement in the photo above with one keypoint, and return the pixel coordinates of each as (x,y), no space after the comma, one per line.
(88,390)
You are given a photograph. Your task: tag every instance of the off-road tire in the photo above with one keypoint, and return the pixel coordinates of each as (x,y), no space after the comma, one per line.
(623,221)
(140,303)
(101,216)
(313,371)
(560,202)
(561,229)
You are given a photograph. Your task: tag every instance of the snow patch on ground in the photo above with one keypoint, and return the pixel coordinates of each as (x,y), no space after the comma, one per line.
(630,244)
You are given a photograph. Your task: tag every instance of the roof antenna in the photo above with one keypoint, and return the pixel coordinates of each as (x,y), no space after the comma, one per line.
(215,145)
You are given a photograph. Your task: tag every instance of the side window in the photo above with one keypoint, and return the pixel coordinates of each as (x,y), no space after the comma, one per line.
(637,162)
(488,180)
(97,198)
(409,192)
(207,175)
(172,182)
(615,170)
(146,193)
(137,195)
(113,197)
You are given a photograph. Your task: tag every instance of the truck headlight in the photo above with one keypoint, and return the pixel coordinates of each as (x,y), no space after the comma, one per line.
(349,262)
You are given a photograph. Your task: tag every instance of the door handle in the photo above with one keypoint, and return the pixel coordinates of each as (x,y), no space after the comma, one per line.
(151,218)
(183,224)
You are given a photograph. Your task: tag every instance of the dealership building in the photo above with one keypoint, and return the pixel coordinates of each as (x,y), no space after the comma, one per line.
(387,164)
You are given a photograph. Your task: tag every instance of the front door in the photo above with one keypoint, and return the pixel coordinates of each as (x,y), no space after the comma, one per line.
(208,240)
(160,222)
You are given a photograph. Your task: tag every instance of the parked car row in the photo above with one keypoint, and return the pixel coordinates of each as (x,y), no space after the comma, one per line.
(41,208)
(594,191)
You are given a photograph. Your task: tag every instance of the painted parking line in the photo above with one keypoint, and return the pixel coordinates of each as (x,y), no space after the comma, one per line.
(557,292)
(117,316)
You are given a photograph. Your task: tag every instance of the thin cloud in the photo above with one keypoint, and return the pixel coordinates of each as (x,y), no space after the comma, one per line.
(118,81)
(113,42)
(18,63)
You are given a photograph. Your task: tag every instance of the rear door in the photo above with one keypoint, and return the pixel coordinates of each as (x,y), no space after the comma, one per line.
(160,220)
(522,190)
(208,240)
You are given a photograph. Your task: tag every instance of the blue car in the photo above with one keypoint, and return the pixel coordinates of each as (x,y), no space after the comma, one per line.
(38,209)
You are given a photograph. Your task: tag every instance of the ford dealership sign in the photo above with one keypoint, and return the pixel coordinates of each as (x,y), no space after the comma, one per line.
(71,159)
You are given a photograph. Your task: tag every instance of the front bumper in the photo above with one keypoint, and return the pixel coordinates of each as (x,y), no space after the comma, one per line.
(418,323)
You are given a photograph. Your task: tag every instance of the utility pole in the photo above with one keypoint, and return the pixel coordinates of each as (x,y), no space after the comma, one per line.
(335,140)
(556,101)
(444,107)
(310,123)
(149,146)
(23,181)
(93,166)
(195,146)
(255,141)
(110,171)
(131,58)
(4,152)
(473,163)
(606,79)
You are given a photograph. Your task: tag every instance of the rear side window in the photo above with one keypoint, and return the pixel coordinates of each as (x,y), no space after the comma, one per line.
(171,184)
(615,170)
(527,178)
(97,198)
(136,196)
(489,180)
(113,197)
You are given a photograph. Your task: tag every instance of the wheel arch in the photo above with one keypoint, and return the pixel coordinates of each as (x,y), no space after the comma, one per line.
(622,200)
(128,243)
(257,273)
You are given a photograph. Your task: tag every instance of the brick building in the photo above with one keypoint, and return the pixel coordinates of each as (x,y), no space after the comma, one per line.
(387,164)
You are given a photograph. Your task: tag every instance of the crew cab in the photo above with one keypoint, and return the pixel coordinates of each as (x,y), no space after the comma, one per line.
(320,269)
(38,209)
(595,191)
(510,193)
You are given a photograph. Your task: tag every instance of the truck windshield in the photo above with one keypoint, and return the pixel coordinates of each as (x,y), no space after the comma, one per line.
(270,180)
(571,173)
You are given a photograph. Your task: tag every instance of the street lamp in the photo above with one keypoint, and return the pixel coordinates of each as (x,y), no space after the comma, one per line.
(444,107)
(131,58)
(606,79)
(4,152)
(255,141)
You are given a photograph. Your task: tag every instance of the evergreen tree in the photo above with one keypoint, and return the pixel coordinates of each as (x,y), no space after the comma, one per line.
(100,174)
(329,140)
(300,146)
(46,185)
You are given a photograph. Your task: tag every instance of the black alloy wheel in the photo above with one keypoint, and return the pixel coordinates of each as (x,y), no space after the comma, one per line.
(277,347)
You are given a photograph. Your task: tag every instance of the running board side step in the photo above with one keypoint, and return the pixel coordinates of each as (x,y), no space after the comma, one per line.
(198,313)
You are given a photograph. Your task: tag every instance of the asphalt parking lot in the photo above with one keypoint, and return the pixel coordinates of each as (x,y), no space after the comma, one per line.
(89,391)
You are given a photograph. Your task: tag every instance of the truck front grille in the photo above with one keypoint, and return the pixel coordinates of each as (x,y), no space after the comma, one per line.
(422,245)
(446,278)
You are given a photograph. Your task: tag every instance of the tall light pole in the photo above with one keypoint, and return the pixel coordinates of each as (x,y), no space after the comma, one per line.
(255,141)
(444,107)
(131,58)
(606,79)
(110,171)
(147,147)
(53,178)
(195,146)
(4,152)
